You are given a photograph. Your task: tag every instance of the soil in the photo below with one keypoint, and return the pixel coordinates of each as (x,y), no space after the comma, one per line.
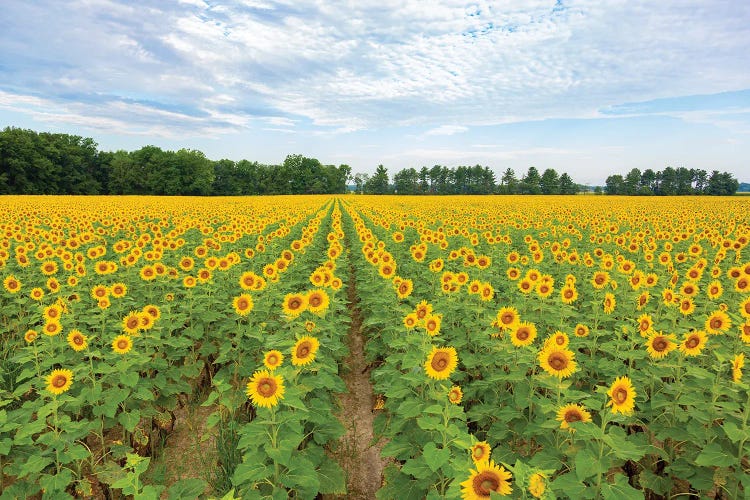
(356,454)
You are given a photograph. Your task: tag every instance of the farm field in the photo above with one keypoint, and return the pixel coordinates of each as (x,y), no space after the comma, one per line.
(535,347)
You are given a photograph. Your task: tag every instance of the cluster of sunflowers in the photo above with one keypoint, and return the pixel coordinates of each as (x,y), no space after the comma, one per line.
(555,347)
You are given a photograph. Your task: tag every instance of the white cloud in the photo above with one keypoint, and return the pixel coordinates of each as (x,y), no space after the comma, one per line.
(446,130)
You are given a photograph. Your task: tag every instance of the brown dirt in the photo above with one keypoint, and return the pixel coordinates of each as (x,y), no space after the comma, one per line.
(357,456)
(184,455)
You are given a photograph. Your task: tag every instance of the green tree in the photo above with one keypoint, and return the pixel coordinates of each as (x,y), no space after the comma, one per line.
(549,183)
(378,183)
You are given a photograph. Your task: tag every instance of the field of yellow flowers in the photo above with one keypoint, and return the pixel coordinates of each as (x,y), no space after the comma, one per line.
(534,347)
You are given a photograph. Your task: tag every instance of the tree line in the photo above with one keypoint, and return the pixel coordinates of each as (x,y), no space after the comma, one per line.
(47,163)
(464,180)
(672,182)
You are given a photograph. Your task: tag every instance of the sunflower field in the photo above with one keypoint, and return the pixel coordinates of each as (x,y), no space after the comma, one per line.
(529,347)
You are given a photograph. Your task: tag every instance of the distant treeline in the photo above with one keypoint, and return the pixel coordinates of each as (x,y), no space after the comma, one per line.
(45,163)
(672,182)
(464,180)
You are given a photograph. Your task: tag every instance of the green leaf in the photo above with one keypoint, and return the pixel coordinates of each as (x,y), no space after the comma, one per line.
(187,488)
(733,432)
(586,465)
(34,464)
(417,467)
(250,472)
(623,448)
(54,484)
(129,379)
(332,478)
(713,456)
(620,490)
(129,419)
(434,457)
(149,492)
(429,423)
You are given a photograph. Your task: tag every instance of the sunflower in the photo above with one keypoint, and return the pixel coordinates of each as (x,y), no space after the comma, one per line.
(668,297)
(99,292)
(188,281)
(745,308)
(146,321)
(404,288)
(524,334)
(131,323)
(600,279)
(609,303)
(273,359)
(689,289)
(714,290)
(537,484)
(642,300)
(423,309)
(645,324)
(737,363)
(77,340)
(265,389)
(622,396)
(455,395)
(317,301)
(508,318)
(309,326)
(294,304)
(718,322)
(687,306)
(432,324)
(441,362)
(572,413)
(59,381)
(122,344)
(558,339)
(37,294)
(243,304)
(659,345)
(557,361)
(11,284)
(52,328)
(30,336)
(581,330)
(568,294)
(304,350)
(480,452)
(104,304)
(118,290)
(525,285)
(53,312)
(693,343)
(411,320)
(486,478)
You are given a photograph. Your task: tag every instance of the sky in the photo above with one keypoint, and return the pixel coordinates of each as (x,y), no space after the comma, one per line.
(587,87)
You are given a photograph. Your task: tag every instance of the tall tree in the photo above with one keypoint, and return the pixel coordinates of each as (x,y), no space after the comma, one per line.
(549,182)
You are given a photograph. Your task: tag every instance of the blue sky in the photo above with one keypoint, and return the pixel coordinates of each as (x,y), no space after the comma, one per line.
(582,86)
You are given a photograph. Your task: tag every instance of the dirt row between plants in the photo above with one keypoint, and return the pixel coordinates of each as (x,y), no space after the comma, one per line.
(356,453)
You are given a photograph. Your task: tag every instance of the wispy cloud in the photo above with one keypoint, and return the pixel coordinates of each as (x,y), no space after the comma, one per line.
(446,130)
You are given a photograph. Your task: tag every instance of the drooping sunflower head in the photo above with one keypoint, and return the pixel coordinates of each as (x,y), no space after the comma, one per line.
(609,303)
(622,396)
(304,350)
(265,389)
(571,413)
(59,381)
(485,479)
(441,362)
(30,336)
(146,321)
(273,359)
(745,332)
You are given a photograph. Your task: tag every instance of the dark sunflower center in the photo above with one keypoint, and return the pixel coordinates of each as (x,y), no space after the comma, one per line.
(716,323)
(685,305)
(507,318)
(644,326)
(431,325)
(573,416)
(315,301)
(267,387)
(242,304)
(620,395)
(59,381)
(693,342)
(439,362)
(568,294)
(303,350)
(295,303)
(484,483)
(132,322)
(122,344)
(78,340)
(599,280)
(522,334)
(558,361)
(660,344)
(560,340)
